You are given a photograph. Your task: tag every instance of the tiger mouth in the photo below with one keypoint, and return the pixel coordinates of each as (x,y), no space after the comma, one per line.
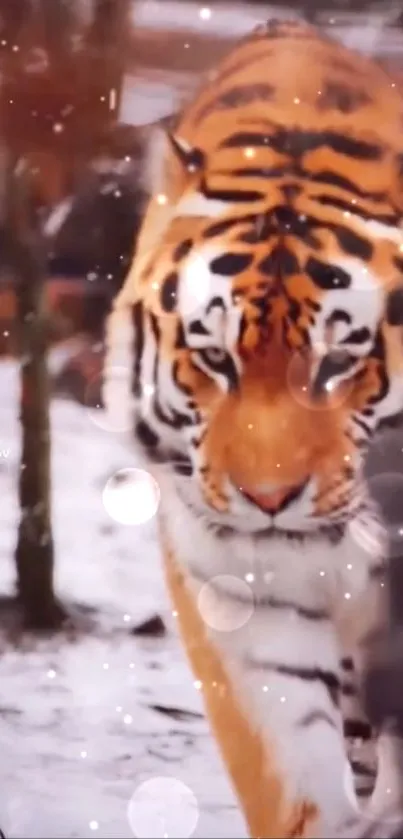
(218,523)
(331,533)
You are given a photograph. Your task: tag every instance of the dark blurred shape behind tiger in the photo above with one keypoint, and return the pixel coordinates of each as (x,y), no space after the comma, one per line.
(86,264)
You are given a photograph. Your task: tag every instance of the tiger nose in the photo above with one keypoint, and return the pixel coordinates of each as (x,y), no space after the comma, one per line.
(276,499)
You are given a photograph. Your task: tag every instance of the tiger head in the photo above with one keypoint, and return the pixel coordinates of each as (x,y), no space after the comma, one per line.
(265,307)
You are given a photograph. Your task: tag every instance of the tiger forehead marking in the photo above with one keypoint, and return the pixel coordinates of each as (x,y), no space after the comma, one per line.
(302,303)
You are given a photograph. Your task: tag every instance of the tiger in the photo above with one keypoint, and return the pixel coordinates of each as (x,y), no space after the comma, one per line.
(256,351)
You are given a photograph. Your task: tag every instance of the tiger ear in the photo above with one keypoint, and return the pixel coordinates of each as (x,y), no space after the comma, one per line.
(190,157)
(394,307)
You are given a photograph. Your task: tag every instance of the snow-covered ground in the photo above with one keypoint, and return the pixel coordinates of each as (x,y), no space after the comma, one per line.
(83,723)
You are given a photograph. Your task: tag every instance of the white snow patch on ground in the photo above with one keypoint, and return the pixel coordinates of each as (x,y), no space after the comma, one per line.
(78,732)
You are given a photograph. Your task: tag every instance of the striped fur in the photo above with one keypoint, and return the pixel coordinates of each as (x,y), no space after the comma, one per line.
(260,328)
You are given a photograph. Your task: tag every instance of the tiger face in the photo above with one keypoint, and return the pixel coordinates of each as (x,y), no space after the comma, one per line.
(267,308)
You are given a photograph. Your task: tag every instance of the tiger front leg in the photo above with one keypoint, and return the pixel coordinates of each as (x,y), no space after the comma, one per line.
(271,694)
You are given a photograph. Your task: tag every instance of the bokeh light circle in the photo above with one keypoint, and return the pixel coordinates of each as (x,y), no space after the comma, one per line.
(225,603)
(163,807)
(300,385)
(131,496)
(114,416)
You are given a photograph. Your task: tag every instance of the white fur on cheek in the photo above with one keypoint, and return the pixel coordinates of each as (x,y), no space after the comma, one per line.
(196,204)
(363,301)
(378,230)
(197,287)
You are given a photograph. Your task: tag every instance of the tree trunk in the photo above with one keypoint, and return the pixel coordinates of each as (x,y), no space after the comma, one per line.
(56,118)
(34,553)
(109,39)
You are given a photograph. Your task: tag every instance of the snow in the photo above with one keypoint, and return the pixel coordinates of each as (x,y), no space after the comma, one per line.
(225,20)
(228,21)
(154,94)
(81,725)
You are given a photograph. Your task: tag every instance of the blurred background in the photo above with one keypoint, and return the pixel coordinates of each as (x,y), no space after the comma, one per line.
(96,699)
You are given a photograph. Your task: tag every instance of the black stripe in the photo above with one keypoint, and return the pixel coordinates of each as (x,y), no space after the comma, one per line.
(315,717)
(357,336)
(146,436)
(196,327)
(246,138)
(342,96)
(182,250)
(350,242)
(297,143)
(327,678)
(357,729)
(329,367)
(174,418)
(260,223)
(347,664)
(137,320)
(333,179)
(339,315)
(150,441)
(272,602)
(215,303)
(394,307)
(361,424)
(231,195)
(180,338)
(280,262)
(355,210)
(301,611)
(169,289)
(291,222)
(225,367)
(230,264)
(182,465)
(360,768)
(325,276)
(234,97)
(256,172)
(325,177)
(156,331)
(222,227)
